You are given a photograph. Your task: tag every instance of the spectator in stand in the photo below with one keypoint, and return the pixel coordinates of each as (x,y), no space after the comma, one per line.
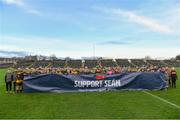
(8,81)
(173,77)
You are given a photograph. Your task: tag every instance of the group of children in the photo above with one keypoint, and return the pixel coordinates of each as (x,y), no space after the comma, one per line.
(14,78)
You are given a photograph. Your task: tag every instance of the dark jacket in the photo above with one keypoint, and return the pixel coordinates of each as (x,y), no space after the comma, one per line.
(8,77)
(173,74)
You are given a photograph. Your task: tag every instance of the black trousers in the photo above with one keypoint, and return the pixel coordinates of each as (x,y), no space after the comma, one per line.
(8,86)
(169,81)
(173,83)
(14,86)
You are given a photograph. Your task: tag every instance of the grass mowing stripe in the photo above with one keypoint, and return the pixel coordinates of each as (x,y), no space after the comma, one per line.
(162,99)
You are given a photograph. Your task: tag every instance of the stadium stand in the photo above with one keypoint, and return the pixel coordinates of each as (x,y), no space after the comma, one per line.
(124,63)
(42,64)
(59,63)
(6,65)
(108,63)
(139,62)
(22,63)
(74,63)
(158,63)
(91,63)
(172,63)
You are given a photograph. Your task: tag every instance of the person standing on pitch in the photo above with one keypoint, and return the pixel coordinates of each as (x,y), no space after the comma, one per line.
(169,76)
(19,82)
(8,81)
(14,81)
(173,77)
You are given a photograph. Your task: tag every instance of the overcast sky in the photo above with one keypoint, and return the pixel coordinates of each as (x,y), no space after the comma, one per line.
(116,28)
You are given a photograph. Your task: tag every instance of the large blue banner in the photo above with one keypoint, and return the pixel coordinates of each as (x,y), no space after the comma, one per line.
(83,83)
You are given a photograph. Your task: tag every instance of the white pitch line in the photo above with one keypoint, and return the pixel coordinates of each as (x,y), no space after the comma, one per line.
(170,103)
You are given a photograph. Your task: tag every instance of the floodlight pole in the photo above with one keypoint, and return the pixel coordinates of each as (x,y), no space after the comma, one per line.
(94,51)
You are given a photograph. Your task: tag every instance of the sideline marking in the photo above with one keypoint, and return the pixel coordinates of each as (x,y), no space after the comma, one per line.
(162,99)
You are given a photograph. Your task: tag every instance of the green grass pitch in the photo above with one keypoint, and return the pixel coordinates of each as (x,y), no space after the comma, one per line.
(110,105)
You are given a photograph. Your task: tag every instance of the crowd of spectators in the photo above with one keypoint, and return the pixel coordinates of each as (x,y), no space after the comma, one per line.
(86,70)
